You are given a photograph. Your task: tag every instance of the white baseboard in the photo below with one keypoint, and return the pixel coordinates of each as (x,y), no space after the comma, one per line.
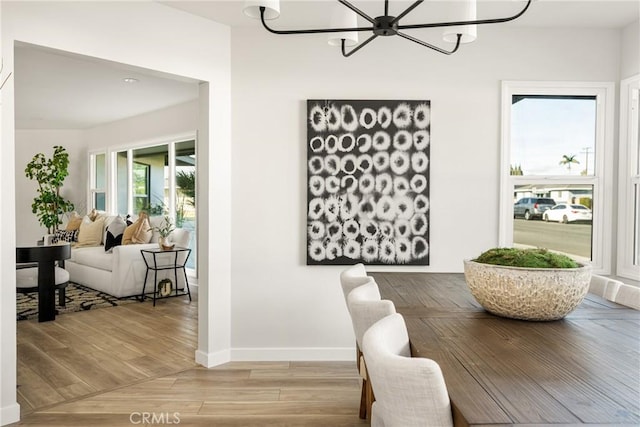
(293,354)
(9,414)
(256,354)
(209,360)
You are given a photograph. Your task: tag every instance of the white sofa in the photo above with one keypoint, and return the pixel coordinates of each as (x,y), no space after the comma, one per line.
(121,272)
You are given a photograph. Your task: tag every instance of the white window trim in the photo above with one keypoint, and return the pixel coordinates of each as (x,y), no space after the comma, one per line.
(628,176)
(603,174)
(93,188)
(111,178)
(112,152)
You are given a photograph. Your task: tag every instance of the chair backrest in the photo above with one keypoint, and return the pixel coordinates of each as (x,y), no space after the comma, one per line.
(604,287)
(351,278)
(366,308)
(628,295)
(410,391)
(43,253)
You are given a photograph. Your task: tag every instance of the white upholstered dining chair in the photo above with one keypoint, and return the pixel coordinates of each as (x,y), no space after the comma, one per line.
(366,308)
(352,277)
(410,391)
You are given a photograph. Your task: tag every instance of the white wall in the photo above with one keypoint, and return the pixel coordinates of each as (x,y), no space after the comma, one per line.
(630,63)
(150,35)
(30,142)
(279,303)
(9,408)
(175,120)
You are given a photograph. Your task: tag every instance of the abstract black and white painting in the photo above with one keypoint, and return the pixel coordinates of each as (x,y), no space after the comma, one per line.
(368,182)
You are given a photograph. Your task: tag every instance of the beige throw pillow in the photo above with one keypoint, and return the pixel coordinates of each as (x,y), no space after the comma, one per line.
(74,222)
(143,234)
(93,214)
(90,233)
(138,232)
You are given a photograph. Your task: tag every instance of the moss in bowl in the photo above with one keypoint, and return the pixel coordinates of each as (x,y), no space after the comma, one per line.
(529,284)
(529,258)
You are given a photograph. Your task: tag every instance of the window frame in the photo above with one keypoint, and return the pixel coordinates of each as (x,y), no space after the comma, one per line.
(601,178)
(111,191)
(147,185)
(628,178)
(93,186)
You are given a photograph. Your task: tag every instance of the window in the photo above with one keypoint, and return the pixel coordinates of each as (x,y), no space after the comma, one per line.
(629,180)
(556,152)
(142,180)
(185,193)
(161,180)
(98,181)
(141,186)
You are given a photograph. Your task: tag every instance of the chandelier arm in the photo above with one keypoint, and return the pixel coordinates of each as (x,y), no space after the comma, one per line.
(311,31)
(356,10)
(461,23)
(430,46)
(357,48)
(407,10)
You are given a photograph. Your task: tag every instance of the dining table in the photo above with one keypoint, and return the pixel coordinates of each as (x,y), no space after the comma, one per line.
(580,370)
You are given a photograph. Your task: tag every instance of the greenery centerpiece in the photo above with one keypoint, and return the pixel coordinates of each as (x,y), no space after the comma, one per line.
(528,284)
(529,258)
(49,173)
(164,229)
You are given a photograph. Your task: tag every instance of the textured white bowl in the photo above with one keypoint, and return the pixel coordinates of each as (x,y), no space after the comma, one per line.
(527,293)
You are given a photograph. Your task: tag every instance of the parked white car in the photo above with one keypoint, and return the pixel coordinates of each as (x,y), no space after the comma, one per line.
(565,213)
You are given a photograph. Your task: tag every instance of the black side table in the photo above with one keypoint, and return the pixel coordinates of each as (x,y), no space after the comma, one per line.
(157,260)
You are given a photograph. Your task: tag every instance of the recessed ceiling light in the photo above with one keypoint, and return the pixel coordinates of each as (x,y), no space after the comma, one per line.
(130,80)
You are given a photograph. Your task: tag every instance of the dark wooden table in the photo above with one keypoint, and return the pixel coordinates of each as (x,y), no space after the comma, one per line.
(584,369)
(45,257)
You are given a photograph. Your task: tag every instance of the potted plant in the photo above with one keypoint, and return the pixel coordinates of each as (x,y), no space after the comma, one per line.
(49,205)
(528,284)
(164,229)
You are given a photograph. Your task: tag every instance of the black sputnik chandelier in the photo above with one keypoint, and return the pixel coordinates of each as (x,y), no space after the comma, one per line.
(345,27)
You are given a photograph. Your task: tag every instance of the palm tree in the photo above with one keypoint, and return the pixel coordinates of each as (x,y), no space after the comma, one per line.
(186,183)
(567,160)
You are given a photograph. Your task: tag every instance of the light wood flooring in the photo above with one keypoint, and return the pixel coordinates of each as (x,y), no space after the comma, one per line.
(134,365)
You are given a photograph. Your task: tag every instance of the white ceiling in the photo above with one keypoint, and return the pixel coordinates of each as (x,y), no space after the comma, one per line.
(316,13)
(59,90)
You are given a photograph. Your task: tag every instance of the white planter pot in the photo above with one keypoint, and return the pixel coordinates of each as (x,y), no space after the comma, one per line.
(527,293)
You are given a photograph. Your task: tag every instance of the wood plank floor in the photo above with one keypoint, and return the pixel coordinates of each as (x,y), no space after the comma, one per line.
(133,365)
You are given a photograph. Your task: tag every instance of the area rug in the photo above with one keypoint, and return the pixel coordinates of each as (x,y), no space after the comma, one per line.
(78,298)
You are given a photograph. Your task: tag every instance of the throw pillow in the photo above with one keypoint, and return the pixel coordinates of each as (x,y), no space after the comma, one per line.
(128,234)
(74,222)
(143,233)
(138,232)
(93,214)
(115,232)
(65,236)
(90,233)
